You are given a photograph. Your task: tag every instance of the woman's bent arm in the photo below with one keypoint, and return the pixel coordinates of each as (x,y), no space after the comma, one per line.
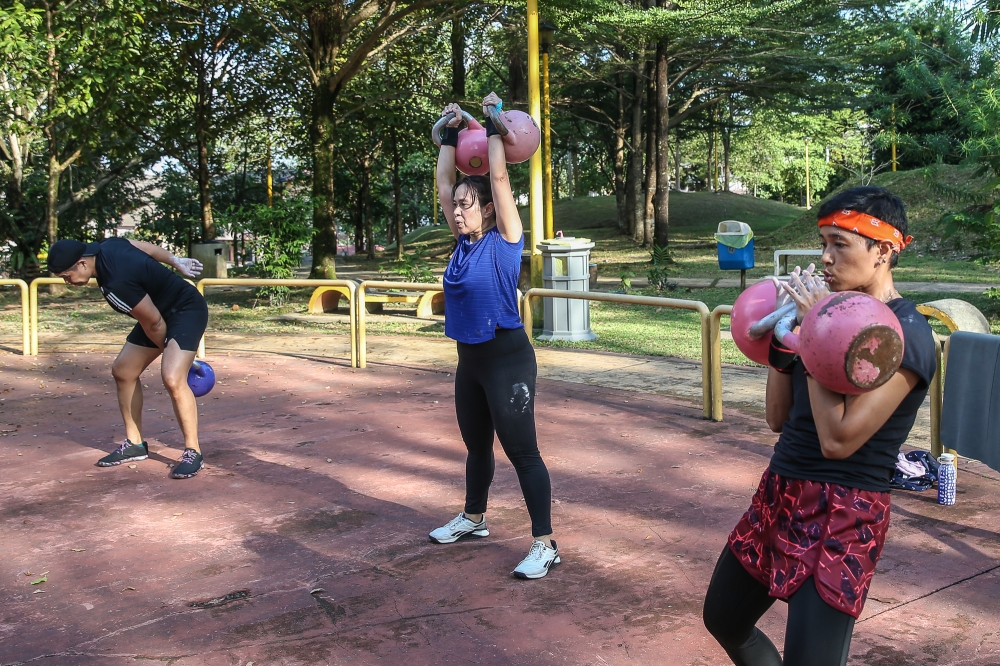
(845,422)
(778,400)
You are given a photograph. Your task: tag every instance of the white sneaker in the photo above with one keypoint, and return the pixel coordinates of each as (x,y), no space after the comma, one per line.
(460,528)
(540,559)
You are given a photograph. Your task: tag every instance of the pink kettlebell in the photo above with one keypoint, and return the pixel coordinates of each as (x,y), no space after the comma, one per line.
(520,135)
(756,302)
(850,342)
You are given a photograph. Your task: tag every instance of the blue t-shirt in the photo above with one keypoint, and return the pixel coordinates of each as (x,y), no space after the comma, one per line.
(480,287)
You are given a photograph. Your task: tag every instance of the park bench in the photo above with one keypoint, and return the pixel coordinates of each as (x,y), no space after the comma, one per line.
(327,299)
(781,258)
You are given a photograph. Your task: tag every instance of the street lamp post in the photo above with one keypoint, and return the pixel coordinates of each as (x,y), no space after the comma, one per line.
(545,31)
(808,186)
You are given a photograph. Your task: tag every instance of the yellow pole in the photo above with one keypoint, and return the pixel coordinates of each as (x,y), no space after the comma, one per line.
(535,189)
(270,180)
(547,146)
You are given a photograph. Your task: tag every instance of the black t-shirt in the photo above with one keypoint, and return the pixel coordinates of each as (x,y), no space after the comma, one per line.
(126,275)
(797,453)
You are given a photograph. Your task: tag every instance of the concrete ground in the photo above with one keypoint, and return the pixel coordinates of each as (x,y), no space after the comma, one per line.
(304,540)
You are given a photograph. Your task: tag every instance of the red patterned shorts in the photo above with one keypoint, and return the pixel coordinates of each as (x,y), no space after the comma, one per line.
(796,528)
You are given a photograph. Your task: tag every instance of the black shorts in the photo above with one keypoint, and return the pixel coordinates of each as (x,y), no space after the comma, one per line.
(186,325)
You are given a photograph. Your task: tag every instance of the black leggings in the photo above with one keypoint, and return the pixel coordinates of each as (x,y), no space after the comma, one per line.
(816,634)
(495,392)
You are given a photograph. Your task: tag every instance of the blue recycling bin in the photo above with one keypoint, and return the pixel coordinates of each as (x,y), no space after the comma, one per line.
(736,259)
(735,245)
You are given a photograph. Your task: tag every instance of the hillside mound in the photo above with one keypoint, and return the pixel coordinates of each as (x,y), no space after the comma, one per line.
(925,202)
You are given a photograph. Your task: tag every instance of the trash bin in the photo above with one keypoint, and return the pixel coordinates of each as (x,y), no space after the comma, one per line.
(566,265)
(735,245)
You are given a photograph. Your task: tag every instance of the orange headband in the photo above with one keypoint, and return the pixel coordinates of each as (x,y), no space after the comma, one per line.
(865,225)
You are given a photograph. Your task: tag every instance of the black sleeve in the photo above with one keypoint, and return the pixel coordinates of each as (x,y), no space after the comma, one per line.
(919,352)
(124,294)
(128,269)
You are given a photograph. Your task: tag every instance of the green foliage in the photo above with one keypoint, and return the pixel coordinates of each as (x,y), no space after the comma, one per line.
(276,237)
(413,267)
(659,272)
(625,284)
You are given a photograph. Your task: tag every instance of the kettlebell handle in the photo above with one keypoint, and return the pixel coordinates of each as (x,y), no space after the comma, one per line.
(444,120)
(767,324)
(494,114)
(783,331)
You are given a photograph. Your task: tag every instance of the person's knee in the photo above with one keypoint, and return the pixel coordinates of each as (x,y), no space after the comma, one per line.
(175,382)
(713,619)
(123,372)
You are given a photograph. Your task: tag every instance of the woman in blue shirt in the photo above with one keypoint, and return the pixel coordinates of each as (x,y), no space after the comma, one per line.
(495,381)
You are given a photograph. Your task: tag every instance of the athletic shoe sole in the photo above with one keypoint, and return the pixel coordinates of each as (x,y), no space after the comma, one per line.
(175,475)
(524,576)
(119,462)
(478,534)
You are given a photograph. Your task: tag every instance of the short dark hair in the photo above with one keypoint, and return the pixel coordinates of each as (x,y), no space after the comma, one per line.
(871,200)
(479,186)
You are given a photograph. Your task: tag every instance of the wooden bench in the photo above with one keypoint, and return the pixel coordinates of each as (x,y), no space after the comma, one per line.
(781,258)
(327,299)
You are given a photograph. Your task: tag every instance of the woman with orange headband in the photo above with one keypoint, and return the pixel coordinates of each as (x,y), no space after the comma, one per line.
(817,523)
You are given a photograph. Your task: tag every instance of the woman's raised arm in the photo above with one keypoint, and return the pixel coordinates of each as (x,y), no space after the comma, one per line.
(446,171)
(508,219)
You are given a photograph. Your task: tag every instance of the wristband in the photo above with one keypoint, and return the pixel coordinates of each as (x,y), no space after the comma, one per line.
(449,137)
(780,357)
(491,129)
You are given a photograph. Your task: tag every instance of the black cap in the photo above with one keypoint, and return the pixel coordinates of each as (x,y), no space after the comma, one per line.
(64,253)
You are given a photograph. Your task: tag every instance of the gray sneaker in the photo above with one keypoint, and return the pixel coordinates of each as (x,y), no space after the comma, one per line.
(460,528)
(190,464)
(540,559)
(126,452)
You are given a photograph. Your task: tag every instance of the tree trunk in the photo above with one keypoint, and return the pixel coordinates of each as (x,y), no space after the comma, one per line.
(619,155)
(573,169)
(651,152)
(397,191)
(517,78)
(52,195)
(359,226)
(202,123)
(204,187)
(52,190)
(677,159)
(725,146)
(661,229)
(708,158)
(324,242)
(633,201)
(457,58)
(366,197)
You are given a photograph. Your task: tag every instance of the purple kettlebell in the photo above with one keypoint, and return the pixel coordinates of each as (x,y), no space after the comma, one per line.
(201,378)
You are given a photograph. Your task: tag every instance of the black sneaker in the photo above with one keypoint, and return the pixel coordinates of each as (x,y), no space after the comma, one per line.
(126,452)
(190,464)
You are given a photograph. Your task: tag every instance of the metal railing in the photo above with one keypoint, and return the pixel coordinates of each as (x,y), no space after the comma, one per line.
(655,301)
(25,313)
(33,290)
(362,338)
(716,336)
(252,282)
